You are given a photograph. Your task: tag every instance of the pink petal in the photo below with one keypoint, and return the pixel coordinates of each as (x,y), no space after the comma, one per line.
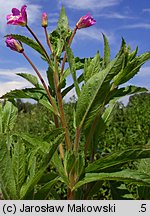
(8,16)
(23,13)
(23,9)
(15,12)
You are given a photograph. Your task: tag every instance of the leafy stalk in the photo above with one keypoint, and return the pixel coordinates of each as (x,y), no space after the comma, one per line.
(60,105)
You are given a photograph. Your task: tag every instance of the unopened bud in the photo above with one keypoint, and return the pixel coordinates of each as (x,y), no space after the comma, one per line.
(44,20)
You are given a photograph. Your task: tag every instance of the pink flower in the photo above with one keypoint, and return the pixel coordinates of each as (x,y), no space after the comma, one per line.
(85,21)
(13,44)
(44,20)
(18,17)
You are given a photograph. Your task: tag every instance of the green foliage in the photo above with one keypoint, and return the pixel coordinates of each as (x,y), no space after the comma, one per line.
(90,148)
(134,177)
(31,78)
(7,179)
(72,66)
(106,58)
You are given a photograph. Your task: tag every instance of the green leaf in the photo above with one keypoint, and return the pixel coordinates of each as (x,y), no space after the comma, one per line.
(9,116)
(34,93)
(38,94)
(144,167)
(19,165)
(102,121)
(131,69)
(44,192)
(47,105)
(117,158)
(31,43)
(31,78)
(29,186)
(119,191)
(1,118)
(69,161)
(129,176)
(125,91)
(92,66)
(94,93)
(7,180)
(72,65)
(57,163)
(62,22)
(57,39)
(106,58)
(37,143)
(50,136)
(51,80)
(69,88)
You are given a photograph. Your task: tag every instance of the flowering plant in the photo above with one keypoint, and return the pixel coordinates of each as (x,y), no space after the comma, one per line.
(74,162)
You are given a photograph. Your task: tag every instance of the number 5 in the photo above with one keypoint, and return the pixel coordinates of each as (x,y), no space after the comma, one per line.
(143,207)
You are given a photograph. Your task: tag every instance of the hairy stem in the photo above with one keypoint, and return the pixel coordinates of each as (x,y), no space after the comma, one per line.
(65,55)
(37,40)
(48,40)
(42,81)
(77,138)
(60,105)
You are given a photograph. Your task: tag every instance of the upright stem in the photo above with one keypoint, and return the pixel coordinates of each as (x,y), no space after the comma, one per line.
(42,81)
(65,55)
(70,194)
(35,37)
(77,138)
(48,40)
(50,98)
(60,105)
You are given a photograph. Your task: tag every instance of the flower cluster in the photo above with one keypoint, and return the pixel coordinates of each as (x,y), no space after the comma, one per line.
(19,17)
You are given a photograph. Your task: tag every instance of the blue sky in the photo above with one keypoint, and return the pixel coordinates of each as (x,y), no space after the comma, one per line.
(129,19)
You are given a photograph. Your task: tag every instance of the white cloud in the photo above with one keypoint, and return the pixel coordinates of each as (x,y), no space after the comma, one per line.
(88,4)
(94,34)
(145,72)
(114,15)
(8,86)
(10,81)
(136,25)
(146,10)
(6,6)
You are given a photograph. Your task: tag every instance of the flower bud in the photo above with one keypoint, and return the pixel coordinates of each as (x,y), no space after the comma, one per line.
(85,21)
(44,20)
(13,44)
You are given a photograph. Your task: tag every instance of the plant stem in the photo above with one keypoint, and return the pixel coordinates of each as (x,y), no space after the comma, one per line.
(60,105)
(92,130)
(77,138)
(65,55)
(50,99)
(48,41)
(42,81)
(69,194)
(36,38)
